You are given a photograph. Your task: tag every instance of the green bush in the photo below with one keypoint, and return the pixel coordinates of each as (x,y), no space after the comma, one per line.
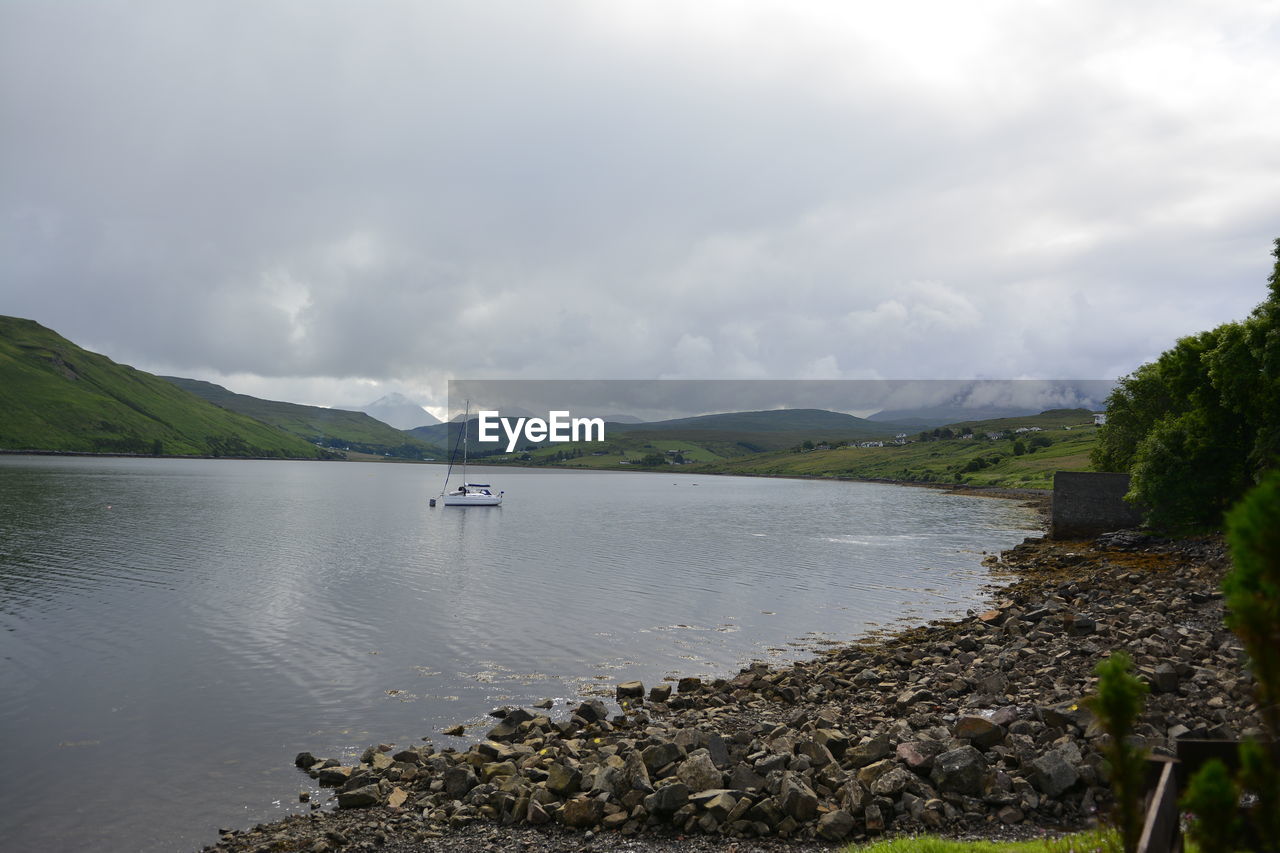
(1117,705)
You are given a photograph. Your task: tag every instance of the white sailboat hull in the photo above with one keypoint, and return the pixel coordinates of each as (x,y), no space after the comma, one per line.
(473,500)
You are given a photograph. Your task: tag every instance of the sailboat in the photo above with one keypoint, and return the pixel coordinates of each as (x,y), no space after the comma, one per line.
(467,494)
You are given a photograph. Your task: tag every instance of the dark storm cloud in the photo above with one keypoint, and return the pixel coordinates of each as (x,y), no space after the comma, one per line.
(298,196)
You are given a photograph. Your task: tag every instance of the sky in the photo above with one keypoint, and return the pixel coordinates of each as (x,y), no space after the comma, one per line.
(325,202)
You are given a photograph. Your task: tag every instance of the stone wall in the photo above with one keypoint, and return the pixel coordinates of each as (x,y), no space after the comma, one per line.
(1086,504)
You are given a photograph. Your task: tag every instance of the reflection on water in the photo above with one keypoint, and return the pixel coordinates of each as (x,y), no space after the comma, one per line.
(183,627)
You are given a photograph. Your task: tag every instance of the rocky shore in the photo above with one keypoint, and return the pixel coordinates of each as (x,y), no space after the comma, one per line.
(964,727)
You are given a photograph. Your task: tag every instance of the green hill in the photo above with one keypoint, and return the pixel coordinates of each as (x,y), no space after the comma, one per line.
(336,428)
(980,453)
(56,396)
(808,421)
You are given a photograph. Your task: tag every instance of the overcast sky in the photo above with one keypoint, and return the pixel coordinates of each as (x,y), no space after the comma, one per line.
(325,202)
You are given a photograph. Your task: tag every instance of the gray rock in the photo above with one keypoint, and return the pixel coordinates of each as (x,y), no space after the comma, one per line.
(699,772)
(797,799)
(1052,775)
(458,780)
(661,754)
(836,825)
(959,771)
(582,812)
(892,782)
(979,731)
(868,753)
(1164,679)
(561,780)
(630,690)
(667,799)
(635,775)
(360,798)
(918,755)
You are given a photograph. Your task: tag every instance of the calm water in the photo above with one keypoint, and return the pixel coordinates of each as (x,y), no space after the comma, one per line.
(172,632)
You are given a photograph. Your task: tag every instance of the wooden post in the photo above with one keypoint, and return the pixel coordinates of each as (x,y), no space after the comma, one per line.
(1160,829)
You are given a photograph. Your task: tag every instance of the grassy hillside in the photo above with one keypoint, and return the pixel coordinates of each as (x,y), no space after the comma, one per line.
(336,428)
(56,396)
(1062,444)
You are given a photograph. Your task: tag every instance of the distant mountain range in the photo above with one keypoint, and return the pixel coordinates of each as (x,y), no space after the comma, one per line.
(936,416)
(399,411)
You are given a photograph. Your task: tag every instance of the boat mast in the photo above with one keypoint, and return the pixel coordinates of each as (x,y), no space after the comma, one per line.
(465,416)
(454,455)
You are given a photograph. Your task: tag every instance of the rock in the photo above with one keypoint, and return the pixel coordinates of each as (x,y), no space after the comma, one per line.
(918,755)
(660,693)
(563,781)
(797,799)
(582,812)
(868,753)
(836,825)
(332,777)
(593,711)
(959,771)
(911,697)
(536,814)
(892,782)
(689,685)
(305,760)
(635,775)
(458,780)
(360,798)
(743,778)
(873,819)
(979,731)
(397,797)
(1070,713)
(1164,679)
(699,772)
(1010,814)
(667,799)
(1052,775)
(661,754)
(455,731)
(630,690)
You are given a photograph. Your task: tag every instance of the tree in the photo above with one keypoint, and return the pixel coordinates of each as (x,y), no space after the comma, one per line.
(1117,705)
(1200,425)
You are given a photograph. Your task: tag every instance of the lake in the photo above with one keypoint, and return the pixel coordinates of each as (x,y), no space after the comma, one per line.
(173,632)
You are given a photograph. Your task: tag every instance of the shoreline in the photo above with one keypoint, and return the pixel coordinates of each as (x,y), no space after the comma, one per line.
(963,727)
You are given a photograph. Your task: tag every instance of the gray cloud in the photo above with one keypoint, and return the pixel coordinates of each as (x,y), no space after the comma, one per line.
(334,199)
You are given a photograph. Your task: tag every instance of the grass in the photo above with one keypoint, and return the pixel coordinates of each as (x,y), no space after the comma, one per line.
(975,462)
(1095,841)
(57,396)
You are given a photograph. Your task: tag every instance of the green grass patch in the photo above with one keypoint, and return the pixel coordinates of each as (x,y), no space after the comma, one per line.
(1095,841)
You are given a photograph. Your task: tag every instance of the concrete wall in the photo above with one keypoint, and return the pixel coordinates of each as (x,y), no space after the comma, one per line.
(1086,504)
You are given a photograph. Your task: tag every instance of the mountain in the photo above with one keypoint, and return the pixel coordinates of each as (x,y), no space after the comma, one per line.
(57,396)
(399,411)
(816,423)
(936,416)
(337,428)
